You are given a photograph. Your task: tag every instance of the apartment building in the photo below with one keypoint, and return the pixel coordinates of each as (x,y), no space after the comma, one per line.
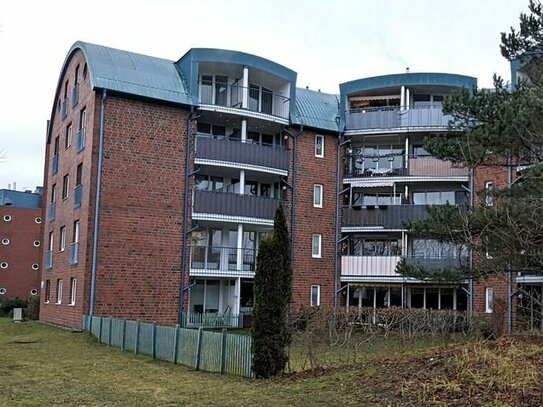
(21,241)
(162,178)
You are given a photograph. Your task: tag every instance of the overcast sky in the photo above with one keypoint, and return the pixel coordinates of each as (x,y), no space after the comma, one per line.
(325,42)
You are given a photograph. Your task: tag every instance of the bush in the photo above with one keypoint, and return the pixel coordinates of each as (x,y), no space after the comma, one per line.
(33,309)
(7,306)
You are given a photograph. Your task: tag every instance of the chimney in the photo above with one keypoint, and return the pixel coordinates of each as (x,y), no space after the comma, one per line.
(407,70)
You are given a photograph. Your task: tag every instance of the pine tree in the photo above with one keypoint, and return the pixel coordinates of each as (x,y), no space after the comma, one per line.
(273,291)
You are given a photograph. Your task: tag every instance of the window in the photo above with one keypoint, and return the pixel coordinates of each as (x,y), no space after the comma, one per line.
(35,266)
(85,71)
(75,236)
(76,76)
(62,241)
(489,199)
(489,300)
(315,295)
(56,146)
(83,119)
(66,89)
(316,246)
(51,238)
(374,247)
(79,174)
(65,186)
(319,146)
(68,139)
(4,265)
(53,193)
(47,291)
(7,218)
(5,241)
(37,243)
(73,288)
(59,291)
(317,196)
(33,292)
(37,219)
(434,198)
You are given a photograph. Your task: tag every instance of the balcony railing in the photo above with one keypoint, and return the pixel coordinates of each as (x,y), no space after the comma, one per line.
(74,253)
(394,118)
(48,259)
(233,150)
(385,216)
(393,165)
(75,95)
(77,196)
(51,211)
(369,265)
(64,109)
(232,96)
(212,320)
(230,204)
(54,164)
(80,140)
(222,258)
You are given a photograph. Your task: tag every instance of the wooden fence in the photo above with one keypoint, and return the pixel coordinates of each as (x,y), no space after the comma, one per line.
(219,352)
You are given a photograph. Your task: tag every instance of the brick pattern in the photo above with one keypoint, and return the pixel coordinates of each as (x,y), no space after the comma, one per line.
(19,278)
(309,220)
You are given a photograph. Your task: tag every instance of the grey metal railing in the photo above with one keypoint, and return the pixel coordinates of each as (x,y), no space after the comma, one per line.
(51,211)
(222,258)
(231,204)
(233,150)
(80,140)
(75,95)
(386,216)
(48,259)
(74,253)
(54,164)
(77,196)
(392,117)
(258,99)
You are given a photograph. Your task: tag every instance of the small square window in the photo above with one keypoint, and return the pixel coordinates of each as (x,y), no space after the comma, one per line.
(316,246)
(319,146)
(315,295)
(489,300)
(317,196)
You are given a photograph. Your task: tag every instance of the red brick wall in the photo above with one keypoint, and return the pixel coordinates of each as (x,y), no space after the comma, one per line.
(141,211)
(65,314)
(19,278)
(312,170)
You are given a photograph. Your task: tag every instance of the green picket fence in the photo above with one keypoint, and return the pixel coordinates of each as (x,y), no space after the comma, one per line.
(219,352)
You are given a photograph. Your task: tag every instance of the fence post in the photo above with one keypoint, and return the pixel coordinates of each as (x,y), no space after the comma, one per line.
(198,349)
(100,331)
(175,343)
(223,350)
(153,338)
(109,332)
(137,337)
(124,335)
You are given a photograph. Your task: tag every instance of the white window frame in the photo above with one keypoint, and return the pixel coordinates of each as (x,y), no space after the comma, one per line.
(73,290)
(489,199)
(317,195)
(318,289)
(69,132)
(47,295)
(76,232)
(319,139)
(51,241)
(317,254)
(59,292)
(489,300)
(62,239)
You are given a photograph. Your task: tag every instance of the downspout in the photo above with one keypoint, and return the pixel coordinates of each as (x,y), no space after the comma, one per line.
(471,204)
(97,206)
(510,272)
(188,146)
(336,234)
(294,189)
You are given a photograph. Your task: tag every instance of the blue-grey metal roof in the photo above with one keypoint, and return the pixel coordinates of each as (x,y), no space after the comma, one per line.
(316,109)
(19,199)
(132,73)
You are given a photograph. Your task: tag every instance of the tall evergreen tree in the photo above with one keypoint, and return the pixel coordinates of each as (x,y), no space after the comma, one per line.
(273,292)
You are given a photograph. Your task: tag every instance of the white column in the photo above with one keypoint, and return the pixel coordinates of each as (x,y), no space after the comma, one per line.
(245,90)
(407,99)
(407,152)
(244,131)
(237,297)
(242,182)
(402,98)
(239,265)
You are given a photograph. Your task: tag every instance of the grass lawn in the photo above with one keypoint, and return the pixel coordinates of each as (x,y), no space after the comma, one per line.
(44,366)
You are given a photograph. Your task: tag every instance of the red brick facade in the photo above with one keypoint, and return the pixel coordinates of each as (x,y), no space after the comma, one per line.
(20,251)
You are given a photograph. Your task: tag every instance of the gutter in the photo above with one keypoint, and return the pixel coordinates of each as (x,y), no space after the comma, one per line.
(97,206)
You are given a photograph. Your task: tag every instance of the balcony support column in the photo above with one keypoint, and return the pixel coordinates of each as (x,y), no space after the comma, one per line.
(242,182)
(406,159)
(237,297)
(245,88)
(407,98)
(402,98)
(244,131)
(239,257)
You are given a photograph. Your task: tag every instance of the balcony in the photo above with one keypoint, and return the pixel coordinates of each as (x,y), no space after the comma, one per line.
(74,253)
(229,204)
(233,150)
(77,196)
(436,264)
(383,216)
(393,165)
(48,259)
(64,109)
(253,99)
(222,261)
(54,164)
(366,266)
(51,211)
(388,118)
(80,140)
(75,95)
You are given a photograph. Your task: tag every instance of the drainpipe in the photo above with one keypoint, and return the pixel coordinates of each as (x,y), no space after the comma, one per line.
(340,143)
(188,146)
(510,272)
(97,206)
(471,204)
